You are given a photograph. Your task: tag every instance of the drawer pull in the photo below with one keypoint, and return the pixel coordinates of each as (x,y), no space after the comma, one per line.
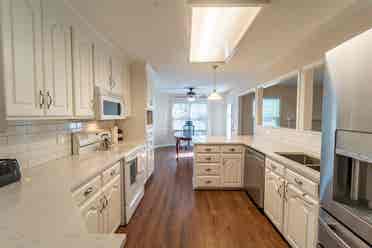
(88,191)
(232,149)
(113,173)
(298,181)
(208,170)
(208,158)
(208,149)
(208,182)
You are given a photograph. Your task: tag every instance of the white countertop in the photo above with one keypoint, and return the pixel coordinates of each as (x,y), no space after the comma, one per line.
(269,147)
(39,211)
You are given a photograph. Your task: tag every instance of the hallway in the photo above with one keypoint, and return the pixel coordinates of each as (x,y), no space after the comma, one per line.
(172,215)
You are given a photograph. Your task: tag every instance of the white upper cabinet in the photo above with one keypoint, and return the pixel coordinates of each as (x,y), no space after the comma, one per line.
(83,73)
(101,67)
(117,73)
(57,60)
(22,55)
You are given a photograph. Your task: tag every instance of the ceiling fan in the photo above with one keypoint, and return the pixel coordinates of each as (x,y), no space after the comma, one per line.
(191,94)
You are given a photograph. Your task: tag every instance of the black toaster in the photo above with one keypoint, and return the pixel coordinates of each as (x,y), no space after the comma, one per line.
(10,171)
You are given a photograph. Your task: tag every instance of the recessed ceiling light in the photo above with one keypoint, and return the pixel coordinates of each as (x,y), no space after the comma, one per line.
(218,26)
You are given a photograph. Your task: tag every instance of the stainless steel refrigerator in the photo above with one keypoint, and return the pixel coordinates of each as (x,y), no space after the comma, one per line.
(346,169)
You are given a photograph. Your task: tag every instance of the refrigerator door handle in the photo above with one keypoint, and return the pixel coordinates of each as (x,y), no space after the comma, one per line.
(341,235)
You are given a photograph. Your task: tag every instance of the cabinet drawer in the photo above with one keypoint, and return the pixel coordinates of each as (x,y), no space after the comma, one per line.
(302,183)
(204,148)
(207,169)
(111,173)
(86,191)
(207,157)
(207,181)
(232,149)
(275,167)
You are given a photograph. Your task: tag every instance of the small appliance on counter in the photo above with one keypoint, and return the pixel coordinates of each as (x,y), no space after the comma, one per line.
(87,141)
(10,171)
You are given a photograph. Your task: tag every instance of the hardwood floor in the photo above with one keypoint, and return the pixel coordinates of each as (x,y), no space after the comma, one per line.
(172,215)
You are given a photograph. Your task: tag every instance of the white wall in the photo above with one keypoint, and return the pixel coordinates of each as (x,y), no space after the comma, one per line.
(163,119)
(163,133)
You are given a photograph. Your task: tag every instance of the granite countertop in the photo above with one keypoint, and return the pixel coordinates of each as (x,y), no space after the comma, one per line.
(39,211)
(269,147)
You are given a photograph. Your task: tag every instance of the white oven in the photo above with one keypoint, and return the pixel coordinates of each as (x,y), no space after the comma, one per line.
(109,106)
(134,181)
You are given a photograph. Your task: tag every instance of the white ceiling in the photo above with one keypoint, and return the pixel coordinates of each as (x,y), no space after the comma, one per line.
(158,31)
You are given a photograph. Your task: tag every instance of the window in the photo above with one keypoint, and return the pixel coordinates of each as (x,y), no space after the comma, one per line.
(271,112)
(196,112)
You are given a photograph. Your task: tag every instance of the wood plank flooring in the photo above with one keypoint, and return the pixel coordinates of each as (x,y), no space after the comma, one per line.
(172,215)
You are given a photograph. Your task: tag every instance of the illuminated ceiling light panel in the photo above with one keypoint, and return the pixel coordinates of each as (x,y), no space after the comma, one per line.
(217,29)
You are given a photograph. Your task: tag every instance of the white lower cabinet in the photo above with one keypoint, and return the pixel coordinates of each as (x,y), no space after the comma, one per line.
(92,214)
(218,166)
(231,170)
(112,210)
(300,218)
(101,207)
(292,210)
(274,204)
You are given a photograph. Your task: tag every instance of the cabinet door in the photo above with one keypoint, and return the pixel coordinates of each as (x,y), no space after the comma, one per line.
(274,202)
(91,213)
(112,213)
(101,67)
(232,171)
(300,219)
(117,71)
(22,51)
(57,60)
(83,74)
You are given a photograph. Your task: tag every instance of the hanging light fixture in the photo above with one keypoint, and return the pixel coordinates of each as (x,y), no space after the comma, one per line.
(215,96)
(191,95)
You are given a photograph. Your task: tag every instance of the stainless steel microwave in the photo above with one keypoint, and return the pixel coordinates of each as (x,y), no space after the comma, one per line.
(109,106)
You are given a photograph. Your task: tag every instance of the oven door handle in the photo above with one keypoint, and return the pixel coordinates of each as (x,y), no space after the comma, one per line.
(341,235)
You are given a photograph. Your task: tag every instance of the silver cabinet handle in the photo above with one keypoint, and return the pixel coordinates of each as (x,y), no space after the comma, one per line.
(208,169)
(232,149)
(208,182)
(298,181)
(41,99)
(208,158)
(208,149)
(50,100)
(88,191)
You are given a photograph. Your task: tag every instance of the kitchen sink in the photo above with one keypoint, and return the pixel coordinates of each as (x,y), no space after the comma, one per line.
(301,158)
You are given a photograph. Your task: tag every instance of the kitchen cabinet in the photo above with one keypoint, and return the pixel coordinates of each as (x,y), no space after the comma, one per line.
(291,204)
(218,166)
(58,60)
(92,214)
(83,73)
(231,170)
(273,203)
(108,70)
(21,22)
(300,218)
(112,210)
(101,206)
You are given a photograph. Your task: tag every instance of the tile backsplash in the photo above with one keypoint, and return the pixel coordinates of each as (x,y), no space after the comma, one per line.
(309,141)
(34,143)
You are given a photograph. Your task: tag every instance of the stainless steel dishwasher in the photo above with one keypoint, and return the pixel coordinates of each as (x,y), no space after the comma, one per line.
(254,176)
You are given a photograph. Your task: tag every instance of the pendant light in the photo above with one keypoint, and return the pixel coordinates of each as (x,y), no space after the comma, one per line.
(215,96)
